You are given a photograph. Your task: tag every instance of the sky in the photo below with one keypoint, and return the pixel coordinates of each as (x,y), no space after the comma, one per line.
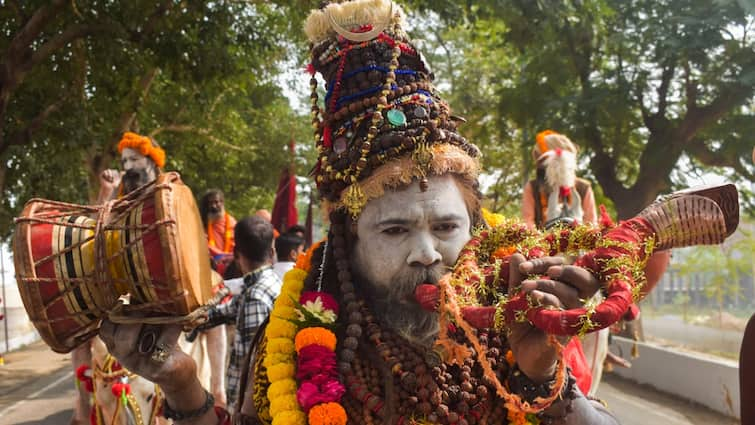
(8,263)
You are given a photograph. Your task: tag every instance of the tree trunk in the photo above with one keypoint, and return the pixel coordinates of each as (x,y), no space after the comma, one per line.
(99,157)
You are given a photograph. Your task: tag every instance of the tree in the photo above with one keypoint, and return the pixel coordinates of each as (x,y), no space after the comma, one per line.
(723,267)
(197,75)
(640,84)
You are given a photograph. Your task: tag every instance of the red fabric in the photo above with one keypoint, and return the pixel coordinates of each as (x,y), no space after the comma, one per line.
(605,221)
(633,312)
(575,358)
(284,213)
(84,378)
(308,225)
(224,418)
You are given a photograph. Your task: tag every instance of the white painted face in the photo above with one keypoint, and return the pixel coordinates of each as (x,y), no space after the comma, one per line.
(407,232)
(139,169)
(131,158)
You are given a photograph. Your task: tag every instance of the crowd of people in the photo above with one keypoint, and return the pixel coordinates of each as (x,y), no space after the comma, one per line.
(338,333)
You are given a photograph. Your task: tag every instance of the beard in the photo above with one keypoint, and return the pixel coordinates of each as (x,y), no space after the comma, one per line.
(214,213)
(134,178)
(396,307)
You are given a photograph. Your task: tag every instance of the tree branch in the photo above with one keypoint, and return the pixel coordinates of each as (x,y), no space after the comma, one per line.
(719,158)
(152,21)
(449,57)
(68,35)
(647,118)
(139,97)
(700,117)
(24,135)
(31,30)
(666,76)
(17,10)
(690,88)
(186,128)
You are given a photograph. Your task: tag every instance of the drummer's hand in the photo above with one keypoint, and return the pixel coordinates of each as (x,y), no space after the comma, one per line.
(174,371)
(565,288)
(110,179)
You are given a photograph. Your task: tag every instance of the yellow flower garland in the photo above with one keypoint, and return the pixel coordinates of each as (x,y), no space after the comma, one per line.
(284,339)
(279,357)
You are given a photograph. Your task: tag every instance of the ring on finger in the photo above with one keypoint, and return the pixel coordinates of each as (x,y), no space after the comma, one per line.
(160,353)
(147,339)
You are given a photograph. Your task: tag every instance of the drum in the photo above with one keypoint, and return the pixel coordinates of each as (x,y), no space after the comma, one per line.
(74,262)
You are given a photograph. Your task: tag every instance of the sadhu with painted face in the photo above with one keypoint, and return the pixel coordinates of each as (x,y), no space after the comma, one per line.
(370,327)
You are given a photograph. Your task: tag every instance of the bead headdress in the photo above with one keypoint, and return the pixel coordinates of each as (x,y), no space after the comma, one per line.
(382,123)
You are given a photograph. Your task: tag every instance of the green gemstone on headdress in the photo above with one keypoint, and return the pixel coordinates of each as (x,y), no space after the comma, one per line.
(396,117)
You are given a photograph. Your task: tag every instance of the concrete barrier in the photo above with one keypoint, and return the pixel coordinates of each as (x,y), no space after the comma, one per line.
(707,380)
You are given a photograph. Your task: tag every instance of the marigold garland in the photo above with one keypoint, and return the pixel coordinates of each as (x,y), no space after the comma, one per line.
(282,403)
(315,336)
(281,329)
(295,349)
(290,417)
(280,345)
(282,387)
(327,414)
(281,371)
(280,363)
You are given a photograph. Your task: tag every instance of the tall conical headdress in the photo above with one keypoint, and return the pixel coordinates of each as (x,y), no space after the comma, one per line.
(382,123)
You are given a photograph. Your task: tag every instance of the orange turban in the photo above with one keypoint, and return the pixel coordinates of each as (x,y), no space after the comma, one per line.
(540,140)
(144,146)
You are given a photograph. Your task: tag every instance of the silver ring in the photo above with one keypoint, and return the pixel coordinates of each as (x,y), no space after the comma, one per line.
(160,353)
(147,339)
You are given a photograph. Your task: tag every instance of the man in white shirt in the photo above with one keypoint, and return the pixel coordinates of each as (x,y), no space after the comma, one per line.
(288,247)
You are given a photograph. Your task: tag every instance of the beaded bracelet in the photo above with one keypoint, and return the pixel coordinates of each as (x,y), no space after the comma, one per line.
(521,384)
(175,415)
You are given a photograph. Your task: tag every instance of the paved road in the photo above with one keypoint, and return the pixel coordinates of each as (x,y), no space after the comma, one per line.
(36,387)
(50,404)
(637,404)
(45,401)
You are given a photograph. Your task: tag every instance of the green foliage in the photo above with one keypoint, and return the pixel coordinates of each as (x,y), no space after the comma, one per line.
(639,85)
(723,266)
(198,76)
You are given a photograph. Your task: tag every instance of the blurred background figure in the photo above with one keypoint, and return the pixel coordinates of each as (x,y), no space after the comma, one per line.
(556,194)
(219,226)
(287,247)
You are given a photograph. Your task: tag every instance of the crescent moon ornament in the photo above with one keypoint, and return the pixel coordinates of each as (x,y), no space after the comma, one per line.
(359,37)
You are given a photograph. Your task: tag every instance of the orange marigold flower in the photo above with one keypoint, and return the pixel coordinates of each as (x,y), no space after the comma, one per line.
(315,336)
(304,260)
(504,252)
(517,418)
(327,414)
(510,358)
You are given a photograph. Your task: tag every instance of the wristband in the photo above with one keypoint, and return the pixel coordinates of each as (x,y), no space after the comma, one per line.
(175,415)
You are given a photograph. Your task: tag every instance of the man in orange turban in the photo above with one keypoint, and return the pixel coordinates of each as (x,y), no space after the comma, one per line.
(141,159)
